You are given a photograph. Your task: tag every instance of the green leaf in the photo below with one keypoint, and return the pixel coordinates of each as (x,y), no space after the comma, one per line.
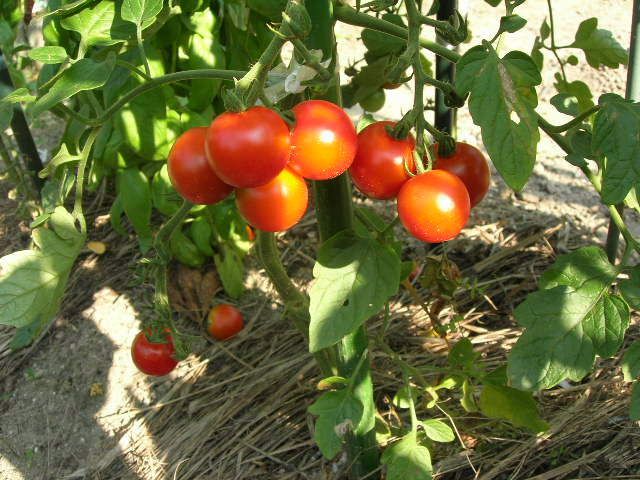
(599,46)
(231,271)
(511,23)
(407,459)
(502,103)
(63,156)
(32,281)
(576,93)
(48,55)
(98,26)
(615,130)
(141,12)
(630,289)
(85,74)
(516,406)
(568,321)
(354,277)
(462,355)
(6,36)
(438,431)
(135,195)
(338,413)
(165,198)
(634,408)
(402,397)
(467,400)
(545,30)
(380,44)
(631,362)
(19,95)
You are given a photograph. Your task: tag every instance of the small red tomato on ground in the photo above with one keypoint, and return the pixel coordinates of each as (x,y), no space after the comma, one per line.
(469,165)
(190,172)
(152,358)
(276,206)
(248,149)
(224,321)
(434,206)
(323,140)
(379,167)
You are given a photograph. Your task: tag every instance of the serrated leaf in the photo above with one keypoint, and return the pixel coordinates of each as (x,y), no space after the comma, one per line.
(502,103)
(578,90)
(141,12)
(615,131)
(85,74)
(634,408)
(135,194)
(49,55)
(32,281)
(407,459)
(515,406)
(338,413)
(354,277)
(630,288)
(437,431)
(631,362)
(98,26)
(599,46)
(568,321)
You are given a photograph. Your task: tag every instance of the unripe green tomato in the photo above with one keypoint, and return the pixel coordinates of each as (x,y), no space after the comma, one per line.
(373,102)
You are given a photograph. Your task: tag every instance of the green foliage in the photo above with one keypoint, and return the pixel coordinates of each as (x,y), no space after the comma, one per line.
(437,431)
(502,103)
(32,282)
(355,277)
(339,413)
(49,55)
(599,46)
(568,321)
(135,194)
(407,459)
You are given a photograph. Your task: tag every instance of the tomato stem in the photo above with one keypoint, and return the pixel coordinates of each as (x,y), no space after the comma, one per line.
(82,165)
(251,84)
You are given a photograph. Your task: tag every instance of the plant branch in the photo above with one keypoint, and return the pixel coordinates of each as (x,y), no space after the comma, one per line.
(84,158)
(310,61)
(554,48)
(574,122)
(346,14)
(143,54)
(251,83)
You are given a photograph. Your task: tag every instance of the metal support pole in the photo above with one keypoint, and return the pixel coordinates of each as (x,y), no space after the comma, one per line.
(21,132)
(632,93)
(445,117)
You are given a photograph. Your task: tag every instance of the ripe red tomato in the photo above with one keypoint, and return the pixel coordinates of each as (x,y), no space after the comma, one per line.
(276,206)
(469,165)
(224,321)
(323,140)
(155,359)
(379,167)
(190,172)
(251,235)
(248,149)
(434,206)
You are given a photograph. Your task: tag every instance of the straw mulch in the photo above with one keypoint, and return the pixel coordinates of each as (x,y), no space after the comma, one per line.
(238,410)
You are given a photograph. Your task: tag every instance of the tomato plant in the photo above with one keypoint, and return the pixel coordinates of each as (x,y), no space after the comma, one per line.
(323,140)
(190,172)
(276,206)
(469,165)
(167,99)
(153,358)
(224,321)
(382,162)
(248,149)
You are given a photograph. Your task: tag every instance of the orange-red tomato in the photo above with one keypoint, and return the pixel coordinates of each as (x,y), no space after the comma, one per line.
(434,206)
(152,358)
(224,321)
(276,206)
(323,140)
(248,149)
(379,167)
(190,172)
(469,165)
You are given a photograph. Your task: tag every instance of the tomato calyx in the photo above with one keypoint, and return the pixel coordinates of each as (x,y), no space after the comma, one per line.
(446,146)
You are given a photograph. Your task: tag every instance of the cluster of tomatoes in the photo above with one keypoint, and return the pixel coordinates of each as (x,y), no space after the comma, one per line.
(256,154)
(158,358)
(266,162)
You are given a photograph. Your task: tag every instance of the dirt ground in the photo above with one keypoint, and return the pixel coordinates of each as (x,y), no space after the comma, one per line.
(65,404)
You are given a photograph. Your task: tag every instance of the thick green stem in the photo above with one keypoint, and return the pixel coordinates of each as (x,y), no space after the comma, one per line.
(251,83)
(346,14)
(296,303)
(334,211)
(575,121)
